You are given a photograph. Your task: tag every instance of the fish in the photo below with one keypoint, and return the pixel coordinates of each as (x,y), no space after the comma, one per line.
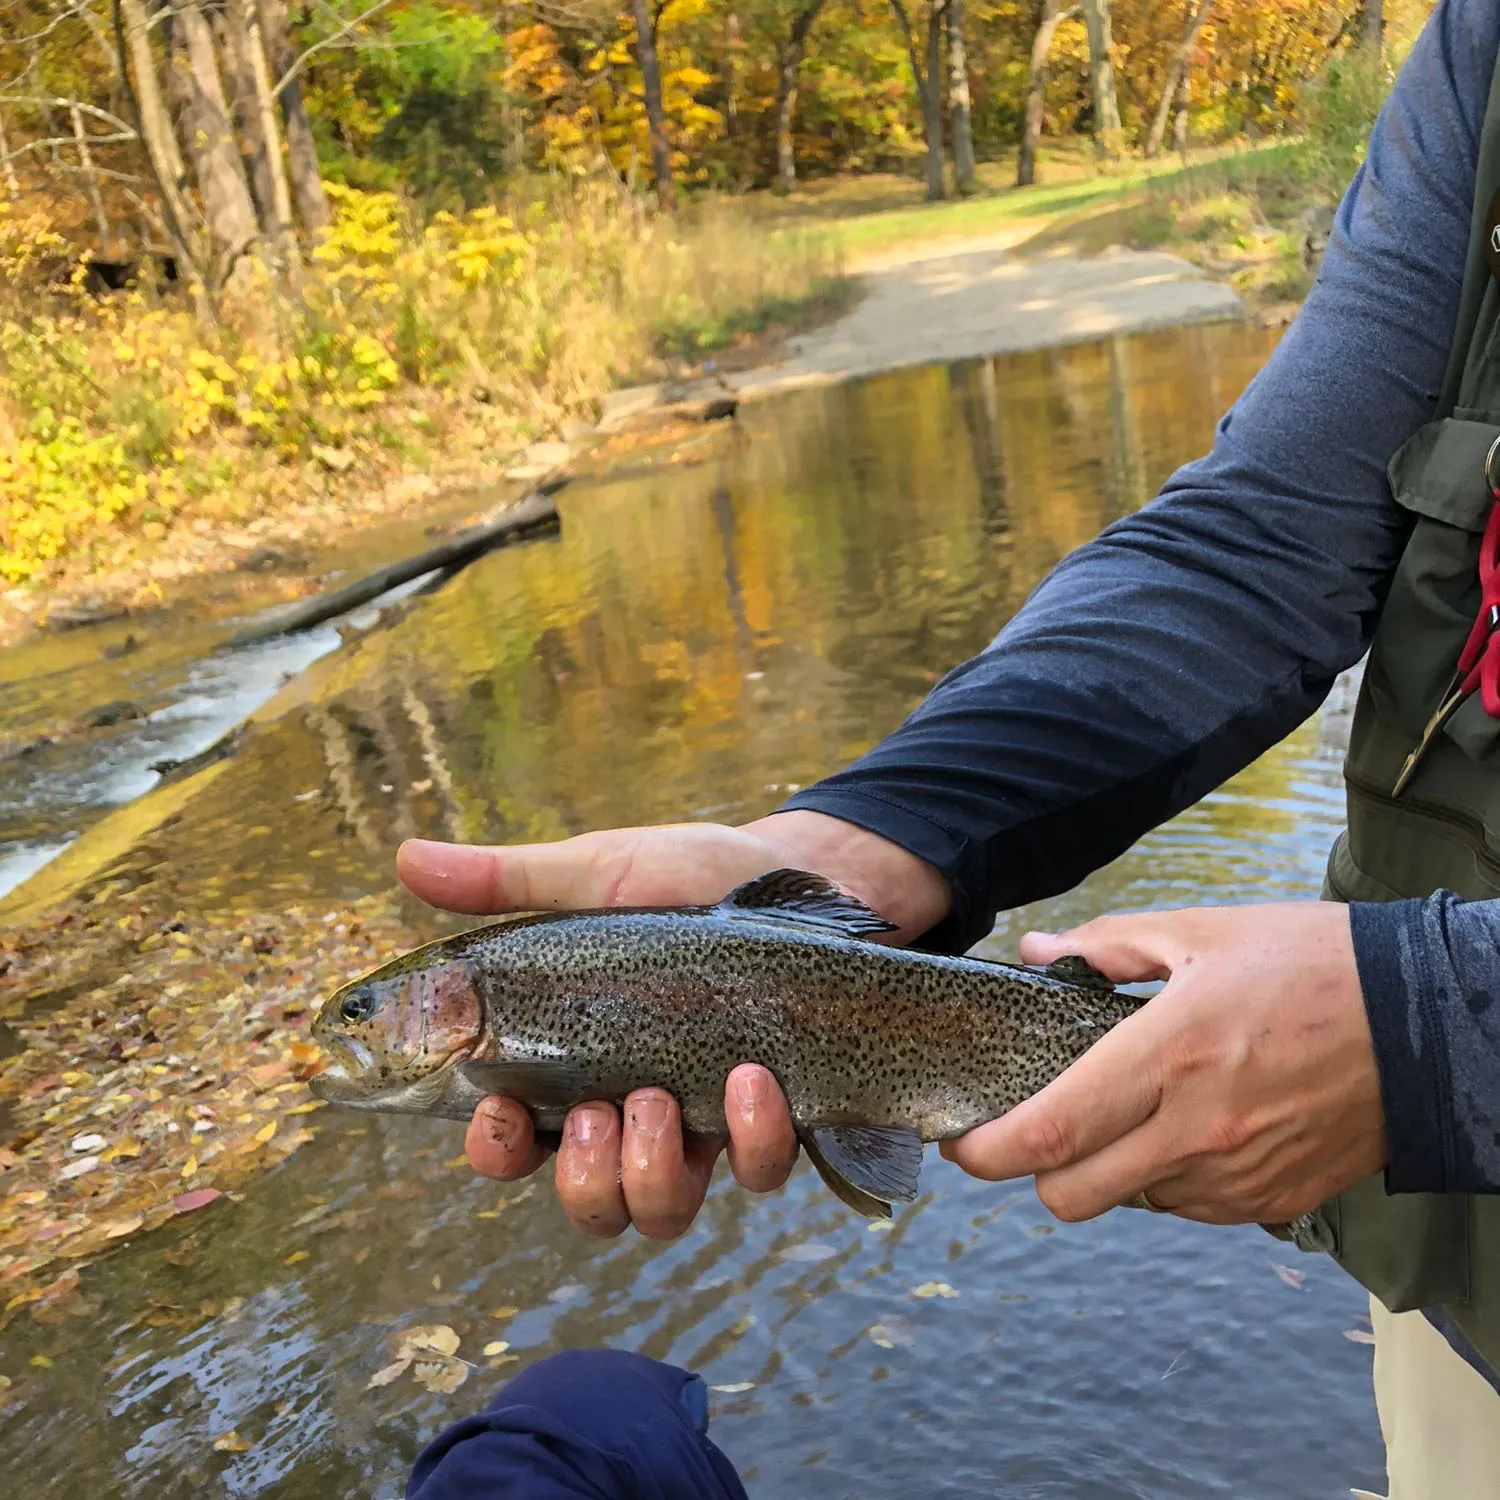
(879,1049)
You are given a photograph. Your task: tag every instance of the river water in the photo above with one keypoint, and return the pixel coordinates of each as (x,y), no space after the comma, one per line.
(701,638)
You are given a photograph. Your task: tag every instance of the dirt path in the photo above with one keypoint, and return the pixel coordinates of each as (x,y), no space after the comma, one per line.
(940,305)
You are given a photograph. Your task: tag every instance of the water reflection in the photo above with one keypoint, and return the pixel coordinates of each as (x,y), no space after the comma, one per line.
(694,644)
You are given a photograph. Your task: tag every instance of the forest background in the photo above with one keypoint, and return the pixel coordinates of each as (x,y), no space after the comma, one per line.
(261,257)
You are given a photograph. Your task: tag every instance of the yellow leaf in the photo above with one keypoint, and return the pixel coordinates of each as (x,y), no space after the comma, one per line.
(295,1256)
(504,1312)
(387,1375)
(265,1133)
(428,1339)
(496,1346)
(190,1166)
(231,1442)
(440,1376)
(117,1229)
(933,1289)
(41,1361)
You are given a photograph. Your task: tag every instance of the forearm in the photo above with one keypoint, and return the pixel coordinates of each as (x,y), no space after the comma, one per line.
(1430,972)
(1161,658)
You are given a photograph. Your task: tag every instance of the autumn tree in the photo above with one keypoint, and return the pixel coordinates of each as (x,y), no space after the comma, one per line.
(1107,132)
(925,76)
(788,68)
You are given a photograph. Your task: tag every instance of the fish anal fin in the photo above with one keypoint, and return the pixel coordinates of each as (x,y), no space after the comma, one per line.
(804,898)
(869,1167)
(1075,969)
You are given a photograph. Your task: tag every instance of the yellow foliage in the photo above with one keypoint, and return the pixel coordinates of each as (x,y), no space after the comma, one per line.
(118,415)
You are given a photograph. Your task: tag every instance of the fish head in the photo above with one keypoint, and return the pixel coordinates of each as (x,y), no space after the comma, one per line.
(391,1037)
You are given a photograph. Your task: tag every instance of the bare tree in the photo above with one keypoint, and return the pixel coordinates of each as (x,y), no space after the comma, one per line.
(656,114)
(193,81)
(301,147)
(788,66)
(1197,14)
(1036,88)
(958,101)
(1096,17)
(926,80)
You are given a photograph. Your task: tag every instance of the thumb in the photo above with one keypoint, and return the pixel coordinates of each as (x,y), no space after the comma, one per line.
(1128,949)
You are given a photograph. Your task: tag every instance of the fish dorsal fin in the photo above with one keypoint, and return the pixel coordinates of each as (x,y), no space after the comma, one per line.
(869,1167)
(1075,969)
(804,899)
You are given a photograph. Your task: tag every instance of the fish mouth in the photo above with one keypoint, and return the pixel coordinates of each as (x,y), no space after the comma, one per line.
(344,1077)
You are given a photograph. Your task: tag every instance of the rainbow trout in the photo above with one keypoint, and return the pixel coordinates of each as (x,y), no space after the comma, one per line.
(877,1048)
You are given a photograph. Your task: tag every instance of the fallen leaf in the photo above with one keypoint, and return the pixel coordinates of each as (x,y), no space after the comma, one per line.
(428,1338)
(295,1256)
(735,1389)
(41,1361)
(440,1376)
(495,1346)
(231,1442)
(437,1283)
(186,1203)
(87,1143)
(190,1167)
(504,1312)
(1288,1274)
(117,1229)
(78,1168)
(387,1375)
(1359,1335)
(265,1133)
(933,1289)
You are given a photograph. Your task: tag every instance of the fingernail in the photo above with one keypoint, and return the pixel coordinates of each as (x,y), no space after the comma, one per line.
(750,1092)
(589,1126)
(649,1116)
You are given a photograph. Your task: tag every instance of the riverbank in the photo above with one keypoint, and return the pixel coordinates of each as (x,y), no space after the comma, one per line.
(1014,268)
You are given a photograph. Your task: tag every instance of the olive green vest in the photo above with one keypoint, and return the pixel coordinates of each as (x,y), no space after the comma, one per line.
(1443,831)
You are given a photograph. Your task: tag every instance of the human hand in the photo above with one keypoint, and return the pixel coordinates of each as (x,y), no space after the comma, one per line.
(615,1168)
(1245,1091)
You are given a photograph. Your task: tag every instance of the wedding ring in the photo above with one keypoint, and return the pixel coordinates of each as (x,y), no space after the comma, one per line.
(1143,1200)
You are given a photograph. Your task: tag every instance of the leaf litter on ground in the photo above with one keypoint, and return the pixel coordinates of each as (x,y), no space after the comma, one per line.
(175,1071)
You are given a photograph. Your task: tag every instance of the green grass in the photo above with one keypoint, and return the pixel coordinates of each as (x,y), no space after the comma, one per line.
(868,216)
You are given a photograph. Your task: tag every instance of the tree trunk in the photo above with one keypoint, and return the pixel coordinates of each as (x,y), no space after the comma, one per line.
(927,89)
(133,33)
(958,101)
(228,22)
(1197,14)
(1180,123)
(8,178)
(1096,15)
(788,68)
(90,178)
(656,115)
(1036,91)
(1372,26)
(301,146)
(265,108)
(209,137)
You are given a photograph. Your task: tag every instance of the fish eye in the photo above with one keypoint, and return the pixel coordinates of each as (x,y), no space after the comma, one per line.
(358,1005)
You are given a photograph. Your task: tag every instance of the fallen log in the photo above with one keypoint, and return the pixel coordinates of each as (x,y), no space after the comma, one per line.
(534,512)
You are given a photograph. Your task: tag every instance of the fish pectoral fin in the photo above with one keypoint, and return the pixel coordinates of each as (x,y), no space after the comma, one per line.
(545,1083)
(1075,969)
(803,898)
(869,1167)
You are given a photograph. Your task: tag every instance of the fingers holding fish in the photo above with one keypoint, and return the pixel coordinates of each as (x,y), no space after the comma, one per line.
(664,1176)
(589,1171)
(501,1143)
(762,1140)
(1105,1095)
(666,865)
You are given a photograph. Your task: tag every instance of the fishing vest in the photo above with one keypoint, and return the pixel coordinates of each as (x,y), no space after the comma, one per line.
(1428,1250)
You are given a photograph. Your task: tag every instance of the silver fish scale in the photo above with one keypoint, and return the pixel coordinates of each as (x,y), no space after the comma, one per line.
(855,1032)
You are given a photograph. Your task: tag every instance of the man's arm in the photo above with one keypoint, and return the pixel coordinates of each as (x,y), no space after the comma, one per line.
(1164,656)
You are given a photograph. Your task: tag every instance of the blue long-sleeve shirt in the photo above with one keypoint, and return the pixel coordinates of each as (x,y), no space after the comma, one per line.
(1190,637)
